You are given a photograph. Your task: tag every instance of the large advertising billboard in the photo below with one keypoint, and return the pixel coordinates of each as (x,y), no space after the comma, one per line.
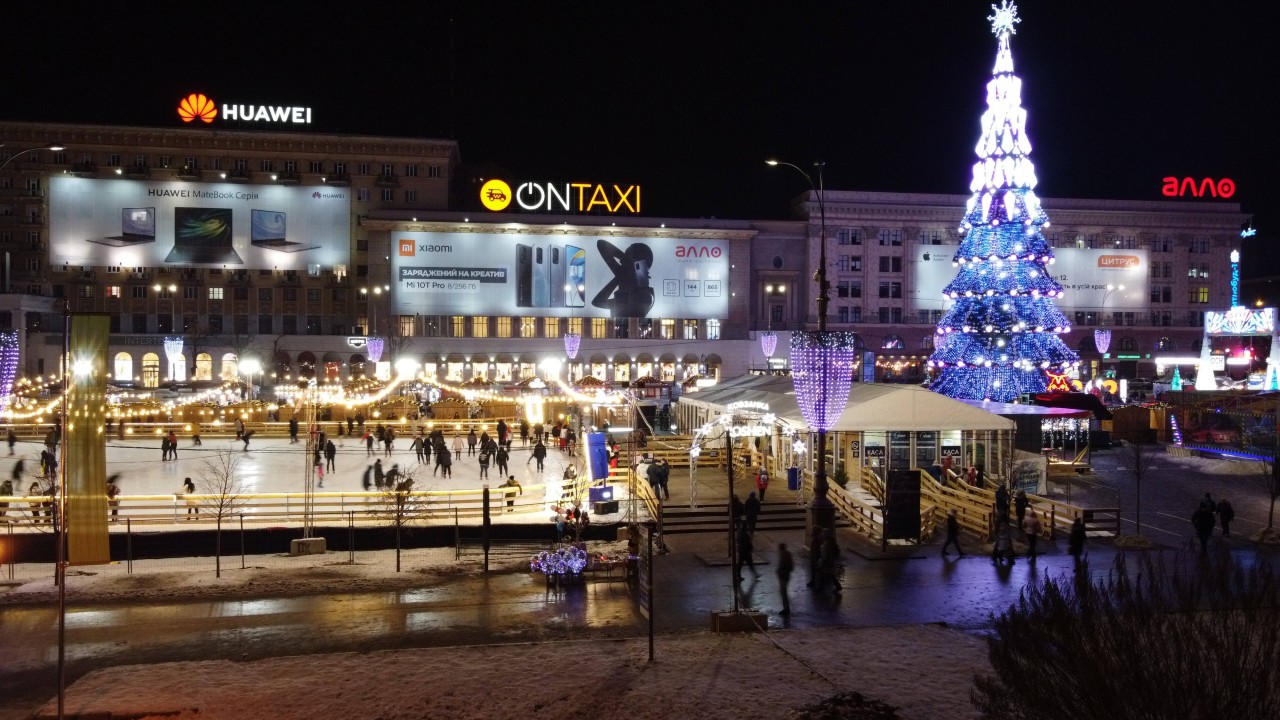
(1091,279)
(559,276)
(138,223)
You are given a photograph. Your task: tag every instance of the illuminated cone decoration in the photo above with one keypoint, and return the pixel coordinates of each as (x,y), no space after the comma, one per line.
(572,341)
(768,343)
(1002,328)
(822,370)
(8,366)
(375,346)
(1102,340)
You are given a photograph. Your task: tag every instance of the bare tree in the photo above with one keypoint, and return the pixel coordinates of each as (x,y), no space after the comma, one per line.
(1135,457)
(400,506)
(223,494)
(397,341)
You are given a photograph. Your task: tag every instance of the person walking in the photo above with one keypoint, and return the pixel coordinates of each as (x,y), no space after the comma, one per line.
(484,463)
(113,497)
(1002,549)
(13,440)
(1020,503)
(245,438)
(164,447)
(1075,541)
(293,431)
(953,534)
(426,450)
(524,432)
(330,453)
(6,489)
(388,441)
(446,463)
(417,446)
(539,454)
(195,435)
(510,488)
(472,439)
(751,511)
(762,482)
(666,479)
(654,474)
(1032,529)
(785,565)
(1226,514)
(367,479)
(368,444)
(501,431)
(173,445)
(457,446)
(188,491)
(745,555)
(1002,503)
(379,478)
(1203,521)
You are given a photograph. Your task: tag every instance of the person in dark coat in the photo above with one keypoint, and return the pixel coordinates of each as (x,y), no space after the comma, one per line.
(1203,521)
(367,480)
(293,431)
(829,562)
(785,565)
(1002,503)
(744,555)
(736,510)
(654,474)
(248,434)
(1226,514)
(379,478)
(502,432)
(666,479)
(1075,543)
(500,458)
(445,460)
(330,452)
(953,534)
(472,439)
(751,511)
(524,432)
(1020,503)
(539,454)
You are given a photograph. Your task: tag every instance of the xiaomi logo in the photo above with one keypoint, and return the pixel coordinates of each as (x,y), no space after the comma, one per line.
(407,248)
(196,105)
(1118,262)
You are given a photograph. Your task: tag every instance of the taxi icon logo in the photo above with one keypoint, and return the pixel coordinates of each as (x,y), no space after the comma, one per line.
(495,195)
(196,105)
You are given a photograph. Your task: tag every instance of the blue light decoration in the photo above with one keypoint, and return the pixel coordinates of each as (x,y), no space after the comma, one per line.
(1235,278)
(8,366)
(1000,336)
(822,372)
(568,560)
(1176,383)
(768,343)
(1177,431)
(374,346)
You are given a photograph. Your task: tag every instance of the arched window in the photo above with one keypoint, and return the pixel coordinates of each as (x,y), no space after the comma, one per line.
(1128,344)
(123,370)
(893,342)
(151,370)
(179,369)
(230,367)
(204,367)
(1166,344)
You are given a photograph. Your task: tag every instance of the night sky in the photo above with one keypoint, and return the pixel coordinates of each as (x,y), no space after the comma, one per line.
(687,99)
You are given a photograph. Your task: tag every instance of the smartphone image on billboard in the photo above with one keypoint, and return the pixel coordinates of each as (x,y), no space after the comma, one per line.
(541,278)
(555,275)
(575,277)
(524,276)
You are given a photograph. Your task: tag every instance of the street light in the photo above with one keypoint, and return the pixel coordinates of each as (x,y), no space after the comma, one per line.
(376,290)
(52,147)
(822,365)
(250,367)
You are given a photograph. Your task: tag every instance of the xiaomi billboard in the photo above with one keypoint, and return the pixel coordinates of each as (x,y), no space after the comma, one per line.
(559,276)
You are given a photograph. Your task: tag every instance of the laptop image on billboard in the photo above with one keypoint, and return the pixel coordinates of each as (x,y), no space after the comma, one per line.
(267,231)
(202,235)
(137,225)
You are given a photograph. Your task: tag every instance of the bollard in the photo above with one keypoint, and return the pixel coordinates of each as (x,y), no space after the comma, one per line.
(485,528)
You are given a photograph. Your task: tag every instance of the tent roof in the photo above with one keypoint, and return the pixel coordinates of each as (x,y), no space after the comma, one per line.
(871,406)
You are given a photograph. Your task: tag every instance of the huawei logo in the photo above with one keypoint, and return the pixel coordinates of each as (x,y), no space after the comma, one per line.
(196,105)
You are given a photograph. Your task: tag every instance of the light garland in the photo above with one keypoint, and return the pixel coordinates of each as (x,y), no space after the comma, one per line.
(567,560)
(768,343)
(572,341)
(1102,339)
(375,345)
(1000,335)
(8,365)
(822,370)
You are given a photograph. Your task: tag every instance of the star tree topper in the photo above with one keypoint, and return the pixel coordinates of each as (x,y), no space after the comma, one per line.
(1004,19)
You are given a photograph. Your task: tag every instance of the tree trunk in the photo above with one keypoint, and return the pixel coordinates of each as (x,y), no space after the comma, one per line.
(217,550)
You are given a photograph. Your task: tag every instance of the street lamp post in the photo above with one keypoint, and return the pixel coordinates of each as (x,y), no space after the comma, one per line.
(251,367)
(52,147)
(822,365)
(376,291)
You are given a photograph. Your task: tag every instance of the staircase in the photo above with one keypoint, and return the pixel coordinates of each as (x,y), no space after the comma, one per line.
(682,519)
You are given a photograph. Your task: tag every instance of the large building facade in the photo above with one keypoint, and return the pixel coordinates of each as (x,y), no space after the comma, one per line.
(295,247)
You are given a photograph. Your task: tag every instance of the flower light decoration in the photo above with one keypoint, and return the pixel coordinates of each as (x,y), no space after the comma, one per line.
(567,560)
(768,343)
(1102,339)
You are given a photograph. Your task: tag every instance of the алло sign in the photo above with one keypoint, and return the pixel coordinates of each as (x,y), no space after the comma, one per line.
(197,106)
(570,197)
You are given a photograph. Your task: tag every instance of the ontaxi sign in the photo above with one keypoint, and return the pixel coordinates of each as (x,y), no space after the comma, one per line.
(573,197)
(199,106)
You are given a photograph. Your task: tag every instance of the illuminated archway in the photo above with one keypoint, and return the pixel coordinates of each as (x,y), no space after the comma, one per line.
(122,369)
(151,370)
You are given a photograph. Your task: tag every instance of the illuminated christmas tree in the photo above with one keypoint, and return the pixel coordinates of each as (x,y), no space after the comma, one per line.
(1000,337)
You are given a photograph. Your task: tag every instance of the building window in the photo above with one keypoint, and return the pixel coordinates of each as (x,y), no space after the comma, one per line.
(457,325)
(890,237)
(291,166)
(362,194)
(931,237)
(140,161)
(621,328)
(1199,245)
(551,327)
(388,170)
(215,293)
(847,263)
(113,160)
(113,291)
(215,163)
(848,236)
(265,326)
(891,264)
(138,323)
(1198,295)
(849,288)
(411,196)
(339,168)
(713,329)
(411,171)
(264,295)
(883,315)
(890,289)
(138,292)
(433,171)
(690,329)
(388,195)
(480,327)
(528,327)
(86,291)
(599,328)
(362,168)
(646,327)
(503,327)
(775,313)
(1161,293)
(575,325)
(315,167)
(1162,243)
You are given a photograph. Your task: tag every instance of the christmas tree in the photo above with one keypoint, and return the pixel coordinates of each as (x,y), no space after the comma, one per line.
(1000,337)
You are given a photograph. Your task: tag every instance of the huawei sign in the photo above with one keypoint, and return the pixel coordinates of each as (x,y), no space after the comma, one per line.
(196,105)
(1118,262)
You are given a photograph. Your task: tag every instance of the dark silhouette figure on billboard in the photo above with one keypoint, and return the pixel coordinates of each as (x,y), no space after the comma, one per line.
(628,294)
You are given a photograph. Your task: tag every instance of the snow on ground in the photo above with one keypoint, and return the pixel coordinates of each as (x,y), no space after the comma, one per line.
(1214,466)
(925,671)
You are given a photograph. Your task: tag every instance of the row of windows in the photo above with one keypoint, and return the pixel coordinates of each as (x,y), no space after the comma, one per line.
(1166,270)
(889,237)
(1164,294)
(853,263)
(192,162)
